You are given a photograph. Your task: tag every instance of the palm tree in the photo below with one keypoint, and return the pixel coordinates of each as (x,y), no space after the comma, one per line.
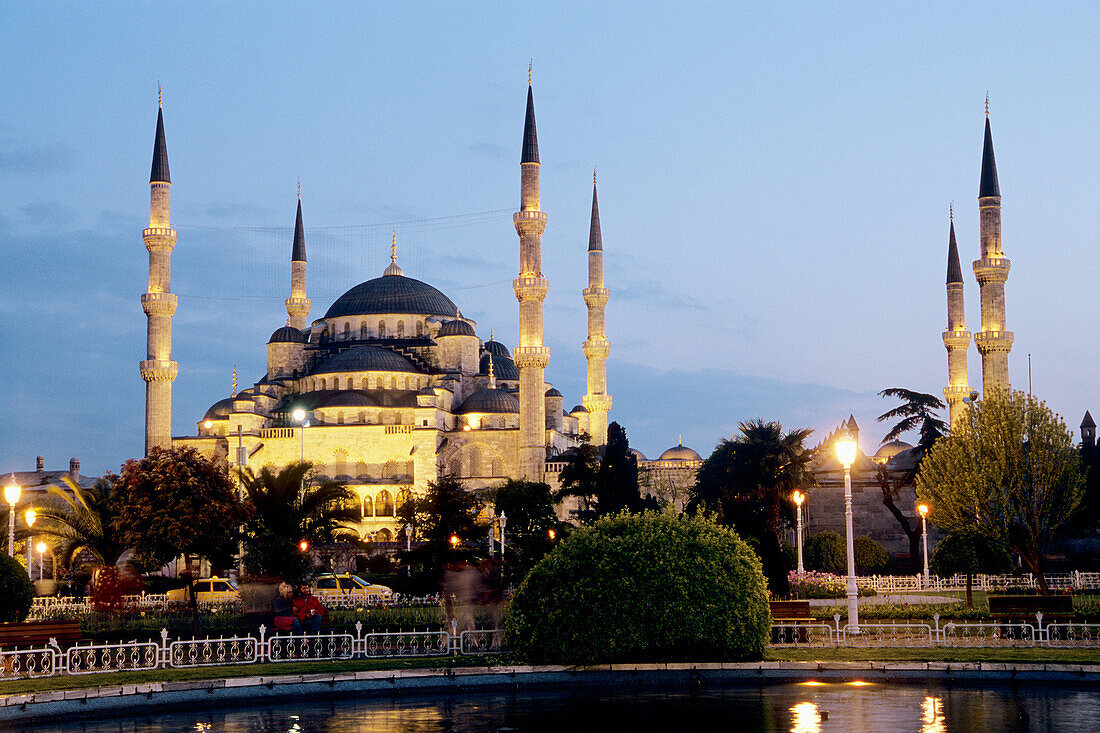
(82,520)
(284,510)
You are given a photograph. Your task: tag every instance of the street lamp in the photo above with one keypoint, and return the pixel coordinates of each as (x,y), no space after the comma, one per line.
(501,519)
(408,538)
(454,542)
(30,516)
(923,509)
(846,453)
(41,549)
(799,497)
(299,416)
(11,494)
(490,536)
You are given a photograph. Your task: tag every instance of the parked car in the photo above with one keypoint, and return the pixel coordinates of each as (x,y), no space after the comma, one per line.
(208,590)
(346,586)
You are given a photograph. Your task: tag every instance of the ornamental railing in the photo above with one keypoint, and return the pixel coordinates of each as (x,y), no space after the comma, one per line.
(887,584)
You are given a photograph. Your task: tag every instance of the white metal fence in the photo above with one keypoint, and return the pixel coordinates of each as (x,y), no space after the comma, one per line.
(890,584)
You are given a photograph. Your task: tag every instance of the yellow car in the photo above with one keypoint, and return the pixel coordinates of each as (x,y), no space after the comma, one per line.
(208,590)
(330,587)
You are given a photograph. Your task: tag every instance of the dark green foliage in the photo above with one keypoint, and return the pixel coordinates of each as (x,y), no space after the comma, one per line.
(529,510)
(280,515)
(83,520)
(967,553)
(579,479)
(748,483)
(16,590)
(648,586)
(446,509)
(826,552)
(603,485)
(871,557)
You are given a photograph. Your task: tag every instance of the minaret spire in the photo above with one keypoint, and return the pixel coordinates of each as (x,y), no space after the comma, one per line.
(298,305)
(159,303)
(531,356)
(596,347)
(994,341)
(956,339)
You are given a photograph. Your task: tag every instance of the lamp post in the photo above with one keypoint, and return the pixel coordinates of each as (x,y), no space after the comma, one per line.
(41,549)
(501,519)
(299,416)
(30,516)
(798,497)
(923,509)
(490,537)
(408,538)
(11,494)
(846,453)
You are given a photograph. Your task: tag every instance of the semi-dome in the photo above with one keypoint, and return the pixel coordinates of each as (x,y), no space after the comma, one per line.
(367,359)
(220,410)
(490,400)
(578,408)
(680,453)
(456,328)
(638,454)
(392,294)
(553,393)
(497,349)
(503,366)
(287,335)
(891,449)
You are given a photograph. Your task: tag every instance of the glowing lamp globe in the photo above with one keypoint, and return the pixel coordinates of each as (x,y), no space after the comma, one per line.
(299,415)
(923,509)
(798,497)
(303,545)
(454,540)
(11,491)
(30,516)
(846,450)
(41,547)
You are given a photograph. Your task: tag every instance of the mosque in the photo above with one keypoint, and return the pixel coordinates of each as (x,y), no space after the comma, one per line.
(392,387)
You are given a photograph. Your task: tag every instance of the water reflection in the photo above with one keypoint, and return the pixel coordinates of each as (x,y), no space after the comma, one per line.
(798,708)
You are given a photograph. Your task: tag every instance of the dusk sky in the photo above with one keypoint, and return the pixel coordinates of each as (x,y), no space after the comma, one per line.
(774,189)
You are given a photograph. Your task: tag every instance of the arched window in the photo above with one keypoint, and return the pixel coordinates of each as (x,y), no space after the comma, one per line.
(368,506)
(339,418)
(363,330)
(384,504)
(408,383)
(324,384)
(381,329)
(420,328)
(360,469)
(347,330)
(400,329)
(336,382)
(393,382)
(362,417)
(476,468)
(383,535)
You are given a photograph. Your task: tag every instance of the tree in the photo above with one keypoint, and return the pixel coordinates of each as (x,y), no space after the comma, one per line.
(530,517)
(16,590)
(83,520)
(579,479)
(283,510)
(175,502)
(446,510)
(966,553)
(748,482)
(827,553)
(1009,471)
(871,557)
(605,484)
(917,410)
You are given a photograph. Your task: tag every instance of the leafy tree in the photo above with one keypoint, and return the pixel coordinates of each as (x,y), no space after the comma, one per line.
(283,510)
(605,484)
(871,557)
(827,553)
(647,586)
(748,482)
(445,510)
(175,502)
(83,520)
(579,479)
(917,410)
(1010,472)
(16,590)
(529,509)
(967,553)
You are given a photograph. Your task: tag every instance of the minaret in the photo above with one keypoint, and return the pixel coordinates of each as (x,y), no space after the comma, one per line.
(298,305)
(994,341)
(596,349)
(530,355)
(956,338)
(158,370)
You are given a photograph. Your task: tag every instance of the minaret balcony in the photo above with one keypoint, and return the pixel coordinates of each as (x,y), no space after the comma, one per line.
(158,370)
(159,304)
(597,402)
(956,393)
(531,356)
(159,239)
(992,341)
(529,223)
(956,339)
(992,269)
(596,297)
(596,348)
(531,288)
(298,305)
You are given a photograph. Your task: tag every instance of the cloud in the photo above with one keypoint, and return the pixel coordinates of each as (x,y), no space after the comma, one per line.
(653,292)
(492,150)
(33,160)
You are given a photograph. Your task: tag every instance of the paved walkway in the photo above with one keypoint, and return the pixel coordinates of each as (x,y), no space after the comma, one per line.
(886,599)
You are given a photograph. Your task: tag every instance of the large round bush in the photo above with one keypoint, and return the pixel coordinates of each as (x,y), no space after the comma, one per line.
(871,557)
(826,552)
(650,587)
(16,591)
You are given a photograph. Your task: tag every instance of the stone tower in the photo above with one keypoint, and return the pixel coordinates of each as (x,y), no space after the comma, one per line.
(596,349)
(1088,430)
(530,287)
(158,370)
(298,305)
(995,340)
(956,338)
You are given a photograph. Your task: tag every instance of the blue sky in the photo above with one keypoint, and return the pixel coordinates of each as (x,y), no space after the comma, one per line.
(774,185)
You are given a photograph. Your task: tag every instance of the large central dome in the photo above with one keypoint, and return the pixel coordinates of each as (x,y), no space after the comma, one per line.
(392,294)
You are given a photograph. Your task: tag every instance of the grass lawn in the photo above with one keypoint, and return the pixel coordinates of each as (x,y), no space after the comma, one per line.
(937,654)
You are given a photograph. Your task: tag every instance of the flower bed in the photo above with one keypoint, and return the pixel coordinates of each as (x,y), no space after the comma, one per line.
(813,584)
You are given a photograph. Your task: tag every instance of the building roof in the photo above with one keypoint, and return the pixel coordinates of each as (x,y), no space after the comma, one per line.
(680,453)
(989,185)
(287,335)
(456,328)
(497,348)
(891,449)
(298,252)
(367,359)
(490,400)
(392,294)
(954,269)
(552,393)
(219,410)
(530,136)
(578,408)
(503,367)
(595,236)
(1088,422)
(159,172)
(638,455)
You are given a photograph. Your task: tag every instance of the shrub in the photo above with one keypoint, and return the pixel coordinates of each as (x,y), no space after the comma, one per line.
(823,585)
(871,557)
(16,591)
(826,552)
(642,586)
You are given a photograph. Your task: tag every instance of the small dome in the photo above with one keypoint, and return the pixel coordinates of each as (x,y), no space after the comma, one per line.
(219,410)
(367,359)
(392,293)
(578,408)
(242,397)
(553,393)
(287,335)
(490,400)
(638,454)
(680,453)
(497,349)
(891,449)
(503,366)
(456,328)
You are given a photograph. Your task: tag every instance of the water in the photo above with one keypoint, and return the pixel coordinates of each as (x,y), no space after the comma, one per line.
(798,708)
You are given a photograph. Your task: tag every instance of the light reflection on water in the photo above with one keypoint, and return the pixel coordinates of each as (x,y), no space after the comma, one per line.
(798,708)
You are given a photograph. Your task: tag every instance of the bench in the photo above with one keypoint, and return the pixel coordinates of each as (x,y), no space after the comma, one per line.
(1022,609)
(790,612)
(39,633)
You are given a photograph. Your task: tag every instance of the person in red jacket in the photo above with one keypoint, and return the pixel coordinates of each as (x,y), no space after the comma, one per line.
(308,609)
